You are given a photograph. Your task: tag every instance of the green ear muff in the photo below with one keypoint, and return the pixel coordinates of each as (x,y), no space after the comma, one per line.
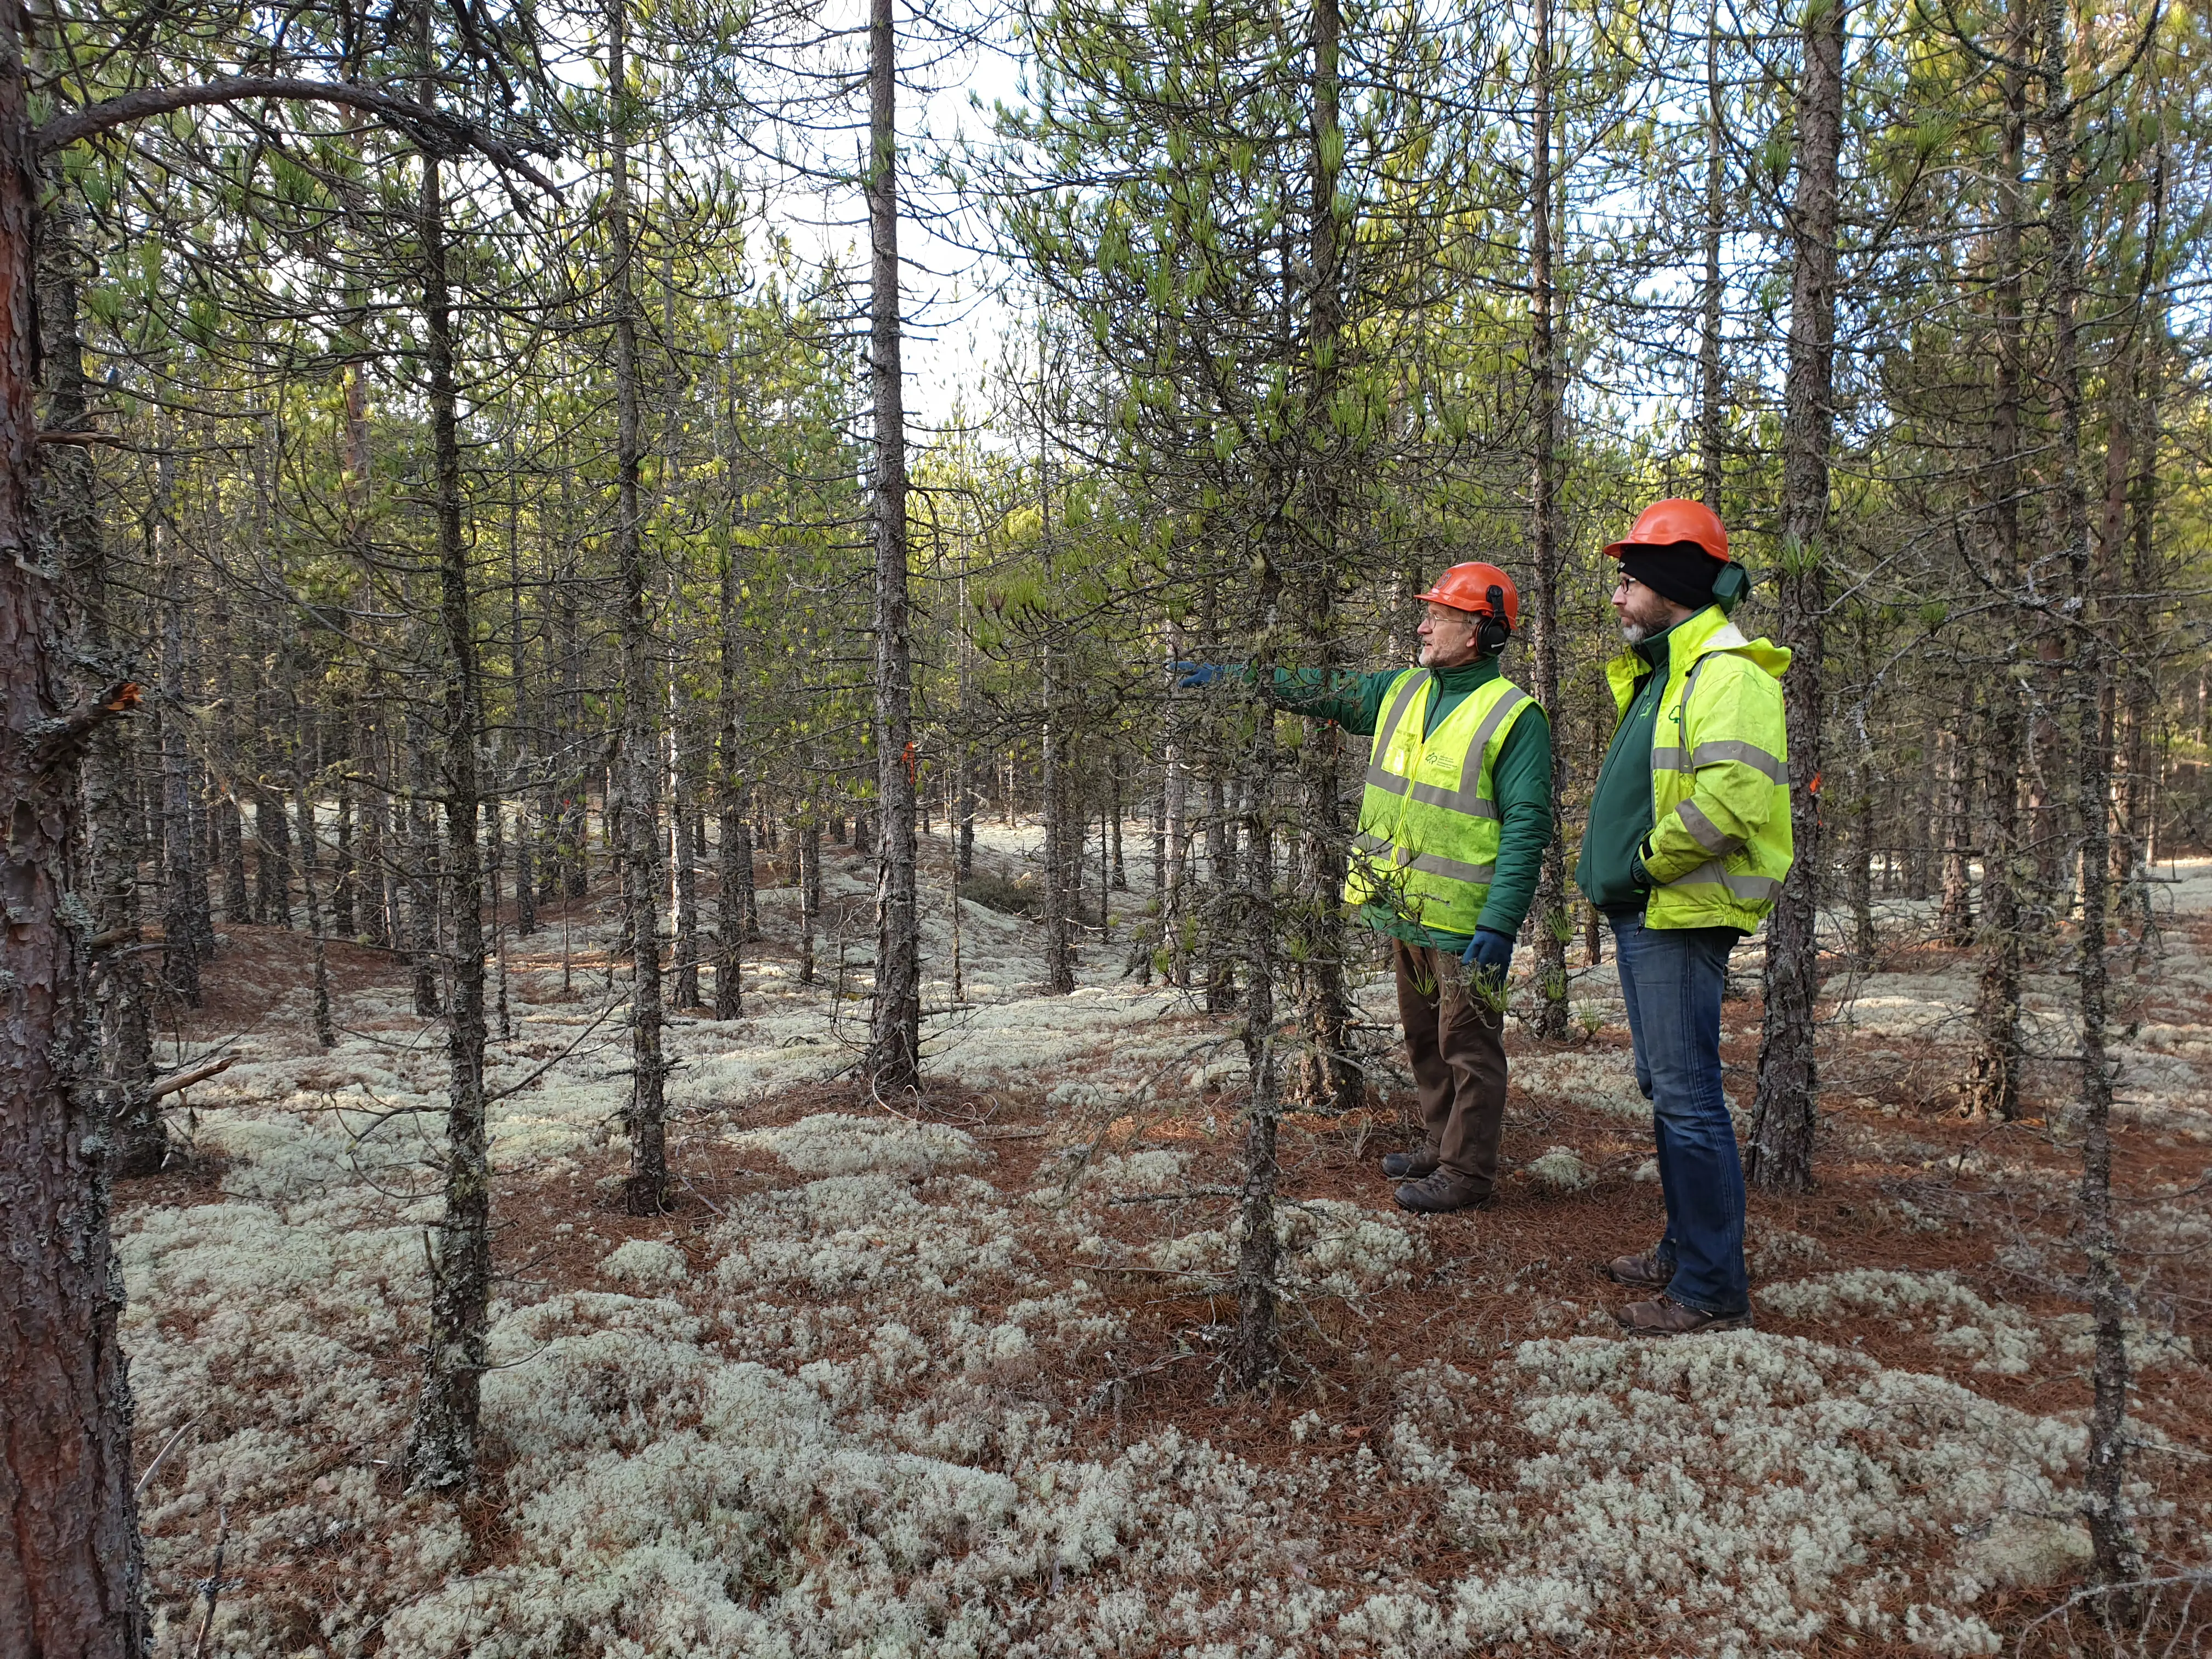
(1730,586)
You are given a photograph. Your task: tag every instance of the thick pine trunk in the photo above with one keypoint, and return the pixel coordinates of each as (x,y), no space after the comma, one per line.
(1787,1110)
(894,1056)
(1550,917)
(441,1446)
(2117,1553)
(68,505)
(646,1192)
(1993,1078)
(70,1578)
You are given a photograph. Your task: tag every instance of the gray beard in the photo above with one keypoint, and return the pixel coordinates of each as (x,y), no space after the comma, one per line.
(1635,633)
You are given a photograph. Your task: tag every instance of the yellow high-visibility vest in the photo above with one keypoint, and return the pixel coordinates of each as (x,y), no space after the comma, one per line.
(1427,842)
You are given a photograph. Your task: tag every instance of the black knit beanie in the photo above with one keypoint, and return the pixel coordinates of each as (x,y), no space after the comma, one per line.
(1682,571)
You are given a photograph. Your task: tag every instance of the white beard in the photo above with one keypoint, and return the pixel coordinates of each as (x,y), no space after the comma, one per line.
(1635,633)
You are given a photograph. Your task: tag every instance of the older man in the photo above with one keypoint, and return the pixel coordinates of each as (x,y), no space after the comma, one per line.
(1687,844)
(1453,824)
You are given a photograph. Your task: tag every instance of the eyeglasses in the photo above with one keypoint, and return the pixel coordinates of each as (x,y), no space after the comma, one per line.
(1628,582)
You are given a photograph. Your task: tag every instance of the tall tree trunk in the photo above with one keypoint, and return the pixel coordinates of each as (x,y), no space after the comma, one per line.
(894,1056)
(1993,1078)
(686,838)
(520,746)
(68,502)
(1551,918)
(1334,1081)
(1712,427)
(421,873)
(181,954)
(441,1446)
(1954,767)
(1255,1359)
(2111,1537)
(737,841)
(326,1035)
(342,908)
(648,1190)
(810,892)
(1787,1111)
(73,1577)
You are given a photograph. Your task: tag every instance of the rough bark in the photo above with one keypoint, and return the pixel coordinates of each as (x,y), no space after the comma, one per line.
(1331,1080)
(70,1578)
(646,1192)
(1549,917)
(1786,1115)
(1954,767)
(441,1445)
(1992,1088)
(2119,1554)
(894,1056)
(737,841)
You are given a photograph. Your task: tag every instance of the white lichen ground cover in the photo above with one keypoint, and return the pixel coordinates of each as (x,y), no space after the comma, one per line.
(890,1387)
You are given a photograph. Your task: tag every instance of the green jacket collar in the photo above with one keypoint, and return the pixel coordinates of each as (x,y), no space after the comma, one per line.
(1466,676)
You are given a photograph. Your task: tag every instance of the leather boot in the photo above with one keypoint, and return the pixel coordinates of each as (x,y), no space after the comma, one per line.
(1647,1272)
(1409,1166)
(1663,1317)
(1438,1191)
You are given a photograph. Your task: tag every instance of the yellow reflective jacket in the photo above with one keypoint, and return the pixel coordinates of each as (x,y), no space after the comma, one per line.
(1427,843)
(1720,841)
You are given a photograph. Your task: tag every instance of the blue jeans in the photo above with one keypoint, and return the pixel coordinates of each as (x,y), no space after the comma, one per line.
(1672,979)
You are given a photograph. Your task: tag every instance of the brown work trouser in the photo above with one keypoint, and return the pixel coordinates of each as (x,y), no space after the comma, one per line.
(1458,1050)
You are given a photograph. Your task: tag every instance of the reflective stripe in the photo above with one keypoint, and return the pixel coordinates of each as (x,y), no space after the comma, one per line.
(1713,874)
(1391,716)
(1666,760)
(1435,864)
(1468,797)
(1703,830)
(1381,777)
(1458,800)
(1750,754)
(1470,775)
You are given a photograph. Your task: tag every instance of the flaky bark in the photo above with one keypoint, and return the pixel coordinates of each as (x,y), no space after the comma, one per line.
(646,1192)
(441,1446)
(894,1056)
(70,1573)
(1787,1112)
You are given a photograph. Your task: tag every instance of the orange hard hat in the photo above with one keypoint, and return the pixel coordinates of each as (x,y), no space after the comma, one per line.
(1665,522)
(1467,587)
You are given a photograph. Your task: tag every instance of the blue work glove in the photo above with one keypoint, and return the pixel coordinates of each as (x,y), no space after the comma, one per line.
(1192,676)
(1489,953)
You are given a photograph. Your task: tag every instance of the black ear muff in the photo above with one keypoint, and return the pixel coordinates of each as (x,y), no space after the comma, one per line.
(1730,586)
(1492,636)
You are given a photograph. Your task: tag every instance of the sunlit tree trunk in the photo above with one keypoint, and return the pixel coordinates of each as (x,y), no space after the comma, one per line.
(894,1056)
(1786,1113)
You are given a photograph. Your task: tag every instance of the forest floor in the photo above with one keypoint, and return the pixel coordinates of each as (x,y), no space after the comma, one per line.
(946,1382)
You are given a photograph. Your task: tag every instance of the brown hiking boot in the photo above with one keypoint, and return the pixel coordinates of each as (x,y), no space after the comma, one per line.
(1438,1191)
(1641,1273)
(1409,1166)
(1663,1317)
